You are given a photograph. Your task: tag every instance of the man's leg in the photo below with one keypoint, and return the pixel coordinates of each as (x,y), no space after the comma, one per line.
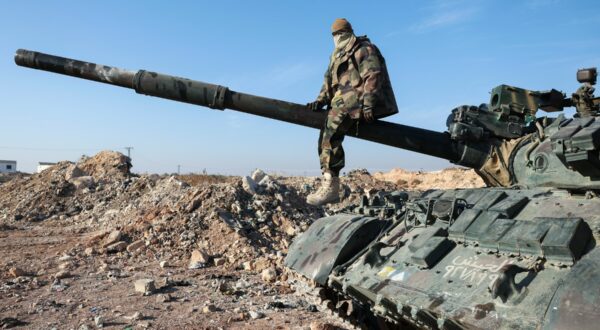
(337,160)
(331,156)
(331,152)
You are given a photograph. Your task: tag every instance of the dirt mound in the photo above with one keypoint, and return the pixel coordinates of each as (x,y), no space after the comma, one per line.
(448,178)
(106,163)
(66,189)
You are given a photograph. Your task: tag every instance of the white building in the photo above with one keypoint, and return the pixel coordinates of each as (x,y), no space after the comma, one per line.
(8,166)
(44,165)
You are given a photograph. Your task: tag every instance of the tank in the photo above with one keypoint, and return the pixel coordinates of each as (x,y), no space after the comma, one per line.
(518,254)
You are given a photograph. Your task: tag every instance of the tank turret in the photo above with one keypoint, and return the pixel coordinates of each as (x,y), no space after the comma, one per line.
(530,150)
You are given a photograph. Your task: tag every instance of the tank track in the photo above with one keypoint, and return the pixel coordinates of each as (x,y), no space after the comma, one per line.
(351,313)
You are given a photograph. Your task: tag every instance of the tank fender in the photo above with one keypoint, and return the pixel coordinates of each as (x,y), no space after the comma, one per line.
(330,241)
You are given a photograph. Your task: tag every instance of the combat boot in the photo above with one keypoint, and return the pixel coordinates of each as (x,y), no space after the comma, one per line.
(329,192)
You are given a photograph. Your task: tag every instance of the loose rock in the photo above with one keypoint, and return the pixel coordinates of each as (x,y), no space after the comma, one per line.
(256,315)
(116,247)
(163,298)
(73,172)
(269,275)
(145,286)
(199,259)
(112,238)
(136,246)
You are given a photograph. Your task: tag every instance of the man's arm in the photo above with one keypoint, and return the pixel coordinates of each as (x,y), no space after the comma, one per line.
(369,68)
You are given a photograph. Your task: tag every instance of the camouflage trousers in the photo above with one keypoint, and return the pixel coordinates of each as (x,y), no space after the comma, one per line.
(331,152)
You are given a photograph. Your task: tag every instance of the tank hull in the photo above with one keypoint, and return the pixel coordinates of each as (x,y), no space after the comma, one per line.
(502,259)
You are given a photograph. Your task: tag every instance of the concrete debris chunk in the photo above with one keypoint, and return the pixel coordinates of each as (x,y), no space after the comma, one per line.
(268,184)
(265,181)
(249,185)
(258,175)
(73,171)
(199,259)
(145,286)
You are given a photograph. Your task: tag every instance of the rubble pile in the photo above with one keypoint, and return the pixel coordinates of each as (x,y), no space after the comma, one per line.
(259,214)
(92,244)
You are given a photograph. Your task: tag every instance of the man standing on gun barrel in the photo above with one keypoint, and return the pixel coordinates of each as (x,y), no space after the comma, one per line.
(356,87)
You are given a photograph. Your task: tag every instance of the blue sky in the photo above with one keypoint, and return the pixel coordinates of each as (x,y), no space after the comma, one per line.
(440,54)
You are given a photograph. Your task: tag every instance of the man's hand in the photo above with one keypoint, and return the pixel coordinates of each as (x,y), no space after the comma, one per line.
(316,105)
(368,114)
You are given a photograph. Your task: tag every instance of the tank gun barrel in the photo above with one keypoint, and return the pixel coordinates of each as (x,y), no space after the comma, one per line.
(220,97)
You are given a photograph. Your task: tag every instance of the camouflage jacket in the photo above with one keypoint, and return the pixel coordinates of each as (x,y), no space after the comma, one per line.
(357,76)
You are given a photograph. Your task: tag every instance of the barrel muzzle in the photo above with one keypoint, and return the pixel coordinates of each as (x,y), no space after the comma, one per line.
(80,69)
(25,57)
